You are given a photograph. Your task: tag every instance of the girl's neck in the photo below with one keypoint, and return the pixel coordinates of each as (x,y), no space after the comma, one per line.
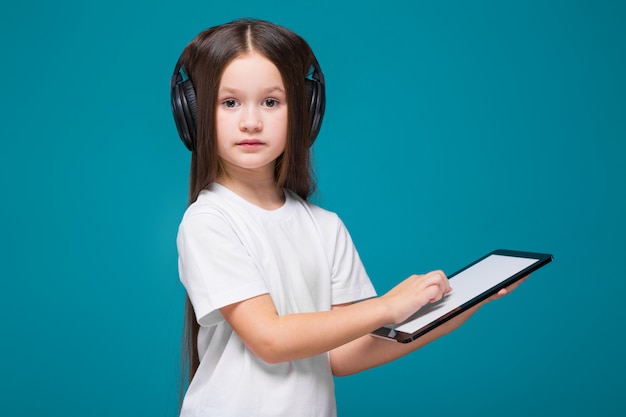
(259,190)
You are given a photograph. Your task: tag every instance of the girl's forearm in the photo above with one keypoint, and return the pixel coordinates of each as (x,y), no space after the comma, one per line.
(277,338)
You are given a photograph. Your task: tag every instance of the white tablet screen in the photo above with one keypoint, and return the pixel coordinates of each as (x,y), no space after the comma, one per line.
(467,285)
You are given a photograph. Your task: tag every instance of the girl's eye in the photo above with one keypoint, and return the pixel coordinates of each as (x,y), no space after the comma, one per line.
(229,103)
(270,102)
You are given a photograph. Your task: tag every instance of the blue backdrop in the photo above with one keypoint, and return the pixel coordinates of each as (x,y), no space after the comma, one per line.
(452,128)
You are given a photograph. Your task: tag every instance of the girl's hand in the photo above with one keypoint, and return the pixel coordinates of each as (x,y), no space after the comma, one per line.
(508,289)
(415,292)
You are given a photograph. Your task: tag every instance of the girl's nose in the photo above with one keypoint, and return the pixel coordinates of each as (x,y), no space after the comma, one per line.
(250,121)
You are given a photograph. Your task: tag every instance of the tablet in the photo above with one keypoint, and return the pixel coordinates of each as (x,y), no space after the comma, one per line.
(470,285)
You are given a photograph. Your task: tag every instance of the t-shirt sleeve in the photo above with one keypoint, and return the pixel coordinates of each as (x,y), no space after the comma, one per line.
(350,281)
(214,266)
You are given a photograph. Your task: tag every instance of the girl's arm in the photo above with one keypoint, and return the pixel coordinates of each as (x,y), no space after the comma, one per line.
(367,352)
(276,338)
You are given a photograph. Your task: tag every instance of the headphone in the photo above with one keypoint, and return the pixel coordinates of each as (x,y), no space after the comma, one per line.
(185,110)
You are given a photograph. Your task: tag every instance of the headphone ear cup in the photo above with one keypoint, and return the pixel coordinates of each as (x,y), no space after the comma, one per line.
(311,100)
(191,110)
(310,85)
(184,108)
(315,89)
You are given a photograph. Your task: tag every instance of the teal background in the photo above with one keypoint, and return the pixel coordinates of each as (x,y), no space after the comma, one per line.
(452,128)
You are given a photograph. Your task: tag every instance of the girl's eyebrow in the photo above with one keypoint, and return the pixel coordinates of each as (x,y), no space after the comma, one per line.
(235,91)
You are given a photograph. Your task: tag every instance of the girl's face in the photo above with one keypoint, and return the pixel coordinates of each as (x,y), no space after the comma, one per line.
(251,116)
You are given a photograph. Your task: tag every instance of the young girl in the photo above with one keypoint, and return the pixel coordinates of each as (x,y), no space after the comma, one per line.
(272,280)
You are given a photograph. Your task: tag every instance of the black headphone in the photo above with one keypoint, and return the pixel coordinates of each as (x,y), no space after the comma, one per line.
(185,108)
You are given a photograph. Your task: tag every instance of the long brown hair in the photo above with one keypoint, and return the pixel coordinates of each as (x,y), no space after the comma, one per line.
(204,59)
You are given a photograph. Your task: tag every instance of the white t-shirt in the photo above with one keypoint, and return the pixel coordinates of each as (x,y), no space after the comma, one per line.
(231,250)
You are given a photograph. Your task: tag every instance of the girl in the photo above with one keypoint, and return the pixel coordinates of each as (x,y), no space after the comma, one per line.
(272,280)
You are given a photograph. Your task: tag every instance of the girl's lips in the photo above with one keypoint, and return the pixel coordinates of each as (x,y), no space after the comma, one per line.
(250,143)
